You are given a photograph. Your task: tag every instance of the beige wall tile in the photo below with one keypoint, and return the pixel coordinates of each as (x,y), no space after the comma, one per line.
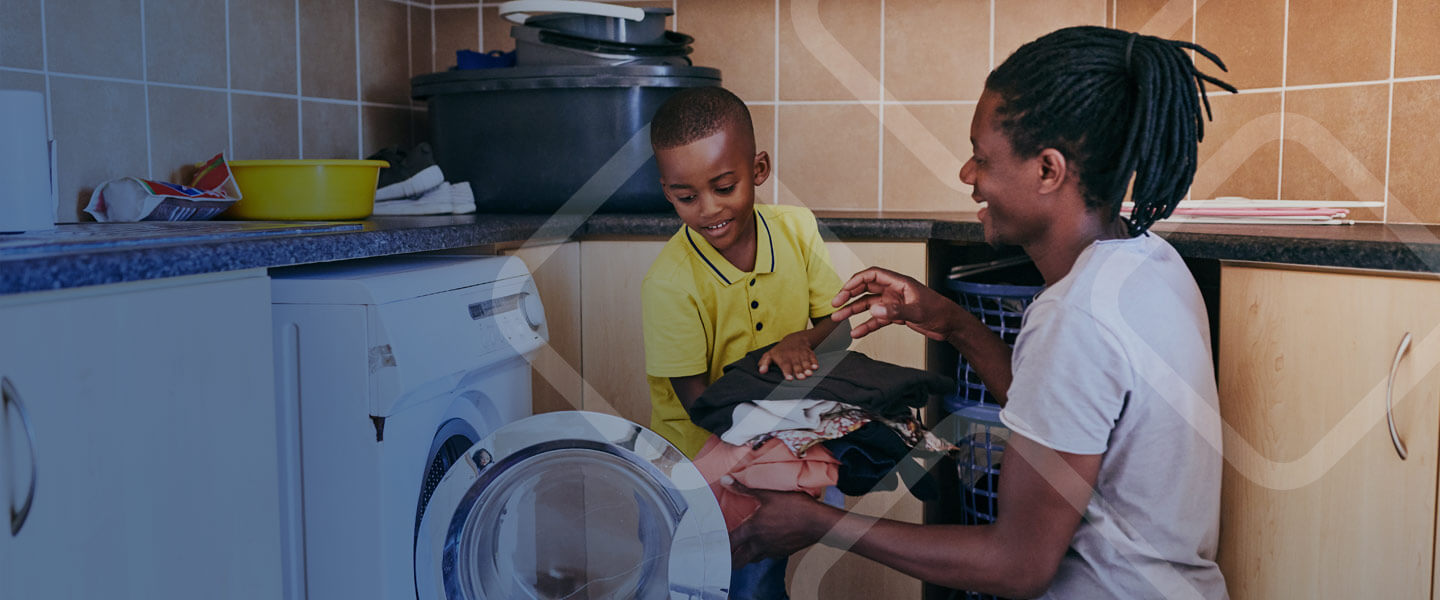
(739,39)
(329,130)
(936,49)
(384,52)
(327,48)
(91,150)
(455,29)
(829,156)
(186,127)
(20,39)
(94,38)
(1241,152)
(495,30)
(1417,48)
(422,52)
(265,127)
(925,146)
(764,119)
(1333,42)
(11,80)
(1163,18)
(1413,153)
(176,50)
(385,127)
(829,50)
(1248,35)
(1335,145)
(1020,21)
(262,45)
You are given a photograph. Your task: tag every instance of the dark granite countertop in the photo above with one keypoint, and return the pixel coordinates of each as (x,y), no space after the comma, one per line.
(92,253)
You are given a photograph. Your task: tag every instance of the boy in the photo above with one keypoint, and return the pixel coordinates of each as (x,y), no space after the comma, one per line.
(734,278)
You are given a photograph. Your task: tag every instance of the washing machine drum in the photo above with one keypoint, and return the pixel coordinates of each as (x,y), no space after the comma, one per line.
(572,505)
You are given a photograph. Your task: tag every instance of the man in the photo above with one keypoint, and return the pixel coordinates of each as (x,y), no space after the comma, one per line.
(1111,482)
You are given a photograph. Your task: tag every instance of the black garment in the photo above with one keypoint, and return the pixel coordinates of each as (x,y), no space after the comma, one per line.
(873,457)
(886,389)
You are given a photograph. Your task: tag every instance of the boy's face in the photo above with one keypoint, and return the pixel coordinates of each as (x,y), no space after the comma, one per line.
(711,183)
(1003,181)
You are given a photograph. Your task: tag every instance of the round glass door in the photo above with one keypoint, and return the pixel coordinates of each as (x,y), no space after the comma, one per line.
(572,505)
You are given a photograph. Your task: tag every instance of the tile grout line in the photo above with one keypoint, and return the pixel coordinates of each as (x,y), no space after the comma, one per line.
(409,73)
(480,30)
(145,76)
(775,116)
(433,45)
(880,139)
(229,101)
(992,35)
(1284,79)
(49,103)
(675,14)
(206,88)
(1390,109)
(1194,18)
(359,94)
(299,90)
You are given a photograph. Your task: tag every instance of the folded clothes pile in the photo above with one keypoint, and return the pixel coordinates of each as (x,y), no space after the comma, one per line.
(414,185)
(856,414)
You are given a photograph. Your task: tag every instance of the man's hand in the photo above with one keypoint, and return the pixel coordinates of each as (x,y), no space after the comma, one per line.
(892,298)
(785,523)
(793,355)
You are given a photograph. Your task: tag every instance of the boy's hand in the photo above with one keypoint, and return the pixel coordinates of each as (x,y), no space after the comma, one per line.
(793,355)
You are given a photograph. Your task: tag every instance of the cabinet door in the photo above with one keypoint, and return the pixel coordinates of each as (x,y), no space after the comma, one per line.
(1316,501)
(614,343)
(555,372)
(153,418)
(824,572)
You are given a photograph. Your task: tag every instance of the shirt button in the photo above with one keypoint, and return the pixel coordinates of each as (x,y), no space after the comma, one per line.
(754,304)
(752,282)
(759,326)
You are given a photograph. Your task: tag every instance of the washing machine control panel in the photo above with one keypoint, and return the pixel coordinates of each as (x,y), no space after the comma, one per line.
(509,316)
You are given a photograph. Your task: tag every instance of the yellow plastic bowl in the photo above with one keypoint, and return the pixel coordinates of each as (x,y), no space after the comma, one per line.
(304,190)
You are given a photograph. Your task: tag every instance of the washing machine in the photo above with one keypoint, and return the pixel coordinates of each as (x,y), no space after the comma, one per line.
(412,468)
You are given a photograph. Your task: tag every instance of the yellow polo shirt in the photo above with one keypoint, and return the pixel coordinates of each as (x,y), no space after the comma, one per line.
(701,313)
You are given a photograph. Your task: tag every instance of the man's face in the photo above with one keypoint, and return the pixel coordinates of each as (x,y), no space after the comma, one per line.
(1004,183)
(711,183)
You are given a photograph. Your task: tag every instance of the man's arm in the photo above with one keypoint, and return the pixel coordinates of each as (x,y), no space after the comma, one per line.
(1042,496)
(688,389)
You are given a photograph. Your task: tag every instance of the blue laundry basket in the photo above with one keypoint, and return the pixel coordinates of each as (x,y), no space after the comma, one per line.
(978,432)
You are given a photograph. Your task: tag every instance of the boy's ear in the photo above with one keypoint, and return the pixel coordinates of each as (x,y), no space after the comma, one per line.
(762,167)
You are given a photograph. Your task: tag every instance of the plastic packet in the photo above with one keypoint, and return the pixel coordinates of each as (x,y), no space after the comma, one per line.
(211,191)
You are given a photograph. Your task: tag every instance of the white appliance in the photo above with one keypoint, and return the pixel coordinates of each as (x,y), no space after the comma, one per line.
(407,380)
(387,371)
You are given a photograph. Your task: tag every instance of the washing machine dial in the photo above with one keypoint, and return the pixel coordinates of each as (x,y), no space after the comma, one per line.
(533,311)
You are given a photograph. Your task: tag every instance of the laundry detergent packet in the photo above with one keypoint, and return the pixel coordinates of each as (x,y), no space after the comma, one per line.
(211,191)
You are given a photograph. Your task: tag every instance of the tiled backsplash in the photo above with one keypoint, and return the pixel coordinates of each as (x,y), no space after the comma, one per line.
(145,87)
(1339,100)
(865,104)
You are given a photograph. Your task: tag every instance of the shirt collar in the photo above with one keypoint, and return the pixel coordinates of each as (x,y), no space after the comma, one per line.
(721,268)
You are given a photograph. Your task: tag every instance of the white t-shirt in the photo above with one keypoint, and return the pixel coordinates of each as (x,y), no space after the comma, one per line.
(1114,359)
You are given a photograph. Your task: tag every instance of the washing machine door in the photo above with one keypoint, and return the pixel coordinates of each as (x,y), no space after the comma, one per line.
(574,505)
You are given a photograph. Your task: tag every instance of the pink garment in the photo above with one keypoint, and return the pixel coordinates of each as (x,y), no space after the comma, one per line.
(769,467)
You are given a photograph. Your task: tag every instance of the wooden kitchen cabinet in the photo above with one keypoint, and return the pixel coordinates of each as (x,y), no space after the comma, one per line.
(1316,501)
(150,409)
(556,380)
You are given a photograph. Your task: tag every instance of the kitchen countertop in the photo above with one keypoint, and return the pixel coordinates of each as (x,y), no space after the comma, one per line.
(92,253)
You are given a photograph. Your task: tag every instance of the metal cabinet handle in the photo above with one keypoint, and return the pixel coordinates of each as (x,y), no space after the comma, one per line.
(7,396)
(1390,392)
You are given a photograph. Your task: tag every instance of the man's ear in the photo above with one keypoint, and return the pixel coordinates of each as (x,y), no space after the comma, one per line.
(1053,170)
(762,167)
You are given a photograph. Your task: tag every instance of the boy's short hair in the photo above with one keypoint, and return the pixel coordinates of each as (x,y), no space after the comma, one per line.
(697,113)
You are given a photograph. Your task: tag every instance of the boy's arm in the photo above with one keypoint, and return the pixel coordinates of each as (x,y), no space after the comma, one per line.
(828,335)
(688,389)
